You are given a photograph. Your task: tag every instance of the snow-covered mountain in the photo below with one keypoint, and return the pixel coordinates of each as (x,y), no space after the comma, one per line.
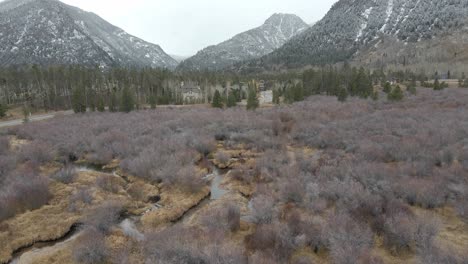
(49,32)
(276,31)
(378,32)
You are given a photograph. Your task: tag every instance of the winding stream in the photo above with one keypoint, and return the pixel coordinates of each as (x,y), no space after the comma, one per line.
(27,255)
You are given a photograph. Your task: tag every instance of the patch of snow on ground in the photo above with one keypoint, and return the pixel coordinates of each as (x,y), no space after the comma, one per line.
(389,14)
(365,15)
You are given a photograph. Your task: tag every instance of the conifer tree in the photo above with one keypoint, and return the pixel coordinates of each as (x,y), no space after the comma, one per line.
(342,94)
(3,110)
(252,100)
(113,102)
(101,105)
(217,100)
(152,101)
(387,88)
(396,94)
(437,85)
(276,97)
(127,101)
(79,100)
(231,100)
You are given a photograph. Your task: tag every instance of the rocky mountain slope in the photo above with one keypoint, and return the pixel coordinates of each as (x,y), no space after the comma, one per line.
(49,32)
(276,31)
(379,32)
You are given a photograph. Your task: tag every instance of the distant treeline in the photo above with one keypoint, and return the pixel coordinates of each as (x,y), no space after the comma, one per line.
(61,87)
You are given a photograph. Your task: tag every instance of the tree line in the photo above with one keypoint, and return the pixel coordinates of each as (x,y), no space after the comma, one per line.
(118,89)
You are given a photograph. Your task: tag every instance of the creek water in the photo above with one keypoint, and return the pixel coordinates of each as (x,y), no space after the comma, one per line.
(127,225)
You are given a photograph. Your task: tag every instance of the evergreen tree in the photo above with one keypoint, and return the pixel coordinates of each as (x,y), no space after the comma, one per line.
(342,94)
(152,101)
(231,100)
(26,112)
(127,103)
(276,97)
(101,105)
(298,92)
(113,102)
(3,110)
(252,99)
(437,85)
(396,94)
(217,100)
(387,88)
(79,100)
(412,89)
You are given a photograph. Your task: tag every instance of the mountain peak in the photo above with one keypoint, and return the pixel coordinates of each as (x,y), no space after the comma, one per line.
(254,43)
(278,18)
(49,32)
(378,33)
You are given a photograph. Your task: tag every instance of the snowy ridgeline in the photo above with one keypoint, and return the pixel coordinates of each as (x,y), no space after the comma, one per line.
(276,31)
(49,32)
(351,26)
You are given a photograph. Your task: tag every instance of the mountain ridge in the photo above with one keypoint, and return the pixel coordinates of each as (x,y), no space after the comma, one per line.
(254,43)
(351,29)
(49,32)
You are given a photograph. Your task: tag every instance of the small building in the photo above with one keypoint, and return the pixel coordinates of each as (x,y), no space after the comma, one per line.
(191,92)
(261,85)
(266,97)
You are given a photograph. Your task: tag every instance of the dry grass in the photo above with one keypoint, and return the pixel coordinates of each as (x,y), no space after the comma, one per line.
(175,204)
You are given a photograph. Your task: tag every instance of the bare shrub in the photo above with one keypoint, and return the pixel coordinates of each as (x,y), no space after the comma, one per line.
(204,146)
(4,145)
(242,175)
(283,124)
(348,239)
(23,190)
(188,179)
(65,175)
(108,145)
(104,217)
(233,217)
(428,193)
(399,233)
(108,183)
(225,219)
(7,164)
(262,209)
(91,248)
(36,153)
(303,260)
(369,258)
(179,249)
(462,208)
(82,195)
(293,190)
(260,257)
(427,228)
(222,157)
(275,238)
(435,255)
(228,253)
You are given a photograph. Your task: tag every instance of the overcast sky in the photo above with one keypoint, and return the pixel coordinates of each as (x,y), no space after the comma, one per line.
(182,27)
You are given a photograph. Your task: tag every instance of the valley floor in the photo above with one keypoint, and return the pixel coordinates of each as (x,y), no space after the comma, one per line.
(315,182)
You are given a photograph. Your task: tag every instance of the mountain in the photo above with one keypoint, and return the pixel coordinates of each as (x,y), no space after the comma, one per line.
(251,44)
(377,33)
(179,58)
(49,32)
